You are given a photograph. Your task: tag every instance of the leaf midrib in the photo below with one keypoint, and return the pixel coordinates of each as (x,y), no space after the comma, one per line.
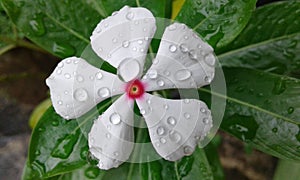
(261,43)
(250,106)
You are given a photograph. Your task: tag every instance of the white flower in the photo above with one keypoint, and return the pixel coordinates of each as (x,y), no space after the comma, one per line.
(182,61)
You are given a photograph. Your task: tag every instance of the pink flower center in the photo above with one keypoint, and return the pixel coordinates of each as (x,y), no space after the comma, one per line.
(135,89)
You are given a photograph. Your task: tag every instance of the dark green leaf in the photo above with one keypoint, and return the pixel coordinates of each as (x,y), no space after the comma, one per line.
(214,161)
(263,109)
(218,21)
(287,170)
(270,42)
(57,145)
(64,27)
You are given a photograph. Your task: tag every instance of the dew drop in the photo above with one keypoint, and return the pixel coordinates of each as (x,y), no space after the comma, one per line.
(125,44)
(143,111)
(79,78)
(155,61)
(172,48)
(183,48)
(37,26)
(205,120)
(59,102)
(186,37)
(160,130)
(290,110)
(80,95)
(160,83)
(207,79)
(182,75)
(99,75)
(203,110)
(188,150)
(274,130)
(140,41)
(67,76)
(114,40)
(166,106)
(171,120)
(193,54)
(103,92)
(129,16)
(187,115)
(58,71)
(116,154)
(55,123)
(115,118)
(60,65)
(162,140)
(152,74)
(172,27)
(174,136)
(108,136)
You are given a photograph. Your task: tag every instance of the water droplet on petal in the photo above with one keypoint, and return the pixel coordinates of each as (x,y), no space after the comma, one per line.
(125,44)
(171,120)
(81,95)
(205,120)
(160,130)
(160,83)
(207,79)
(99,75)
(140,41)
(210,59)
(155,61)
(187,115)
(59,102)
(79,78)
(116,154)
(203,110)
(174,136)
(193,54)
(114,40)
(182,75)
(152,74)
(60,65)
(103,92)
(108,136)
(186,101)
(187,150)
(115,118)
(166,106)
(67,76)
(143,111)
(172,48)
(183,48)
(58,71)
(162,140)
(129,16)
(172,27)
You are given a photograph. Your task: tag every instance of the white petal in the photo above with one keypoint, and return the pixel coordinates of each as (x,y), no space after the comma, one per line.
(183,61)
(175,126)
(111,138)
(76,87)
(124,35)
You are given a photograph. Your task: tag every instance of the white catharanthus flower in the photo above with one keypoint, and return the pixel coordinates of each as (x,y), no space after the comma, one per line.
(183,61)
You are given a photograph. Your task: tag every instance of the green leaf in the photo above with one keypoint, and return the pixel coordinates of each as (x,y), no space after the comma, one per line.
(64,27)
(287,170)
(214,161)
(217,21)
(270,42)
(7,36)
(191,167)
(263,109)
(58,146)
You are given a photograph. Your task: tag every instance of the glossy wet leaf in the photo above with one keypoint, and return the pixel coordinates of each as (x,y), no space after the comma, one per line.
(214,161)
(263,109)
(64,27)
(271,40)
(7,36)
(219,22)
(192,167)
(57,145)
